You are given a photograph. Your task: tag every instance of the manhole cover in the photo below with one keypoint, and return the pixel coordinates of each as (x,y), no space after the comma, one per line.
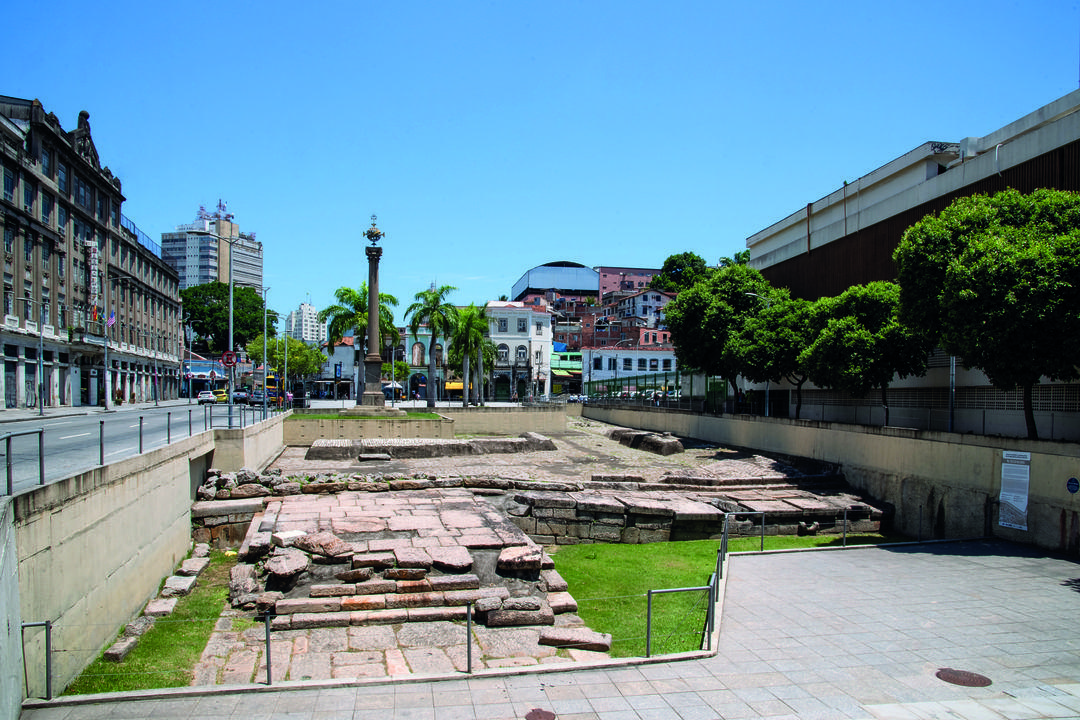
(538,714)
(962,677)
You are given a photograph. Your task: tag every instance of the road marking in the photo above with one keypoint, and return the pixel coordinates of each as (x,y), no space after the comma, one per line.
(68,437)
(122,450)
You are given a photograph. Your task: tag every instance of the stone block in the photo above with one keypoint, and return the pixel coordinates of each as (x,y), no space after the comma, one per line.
(354,576)
(577,638)
(517,618)
(461,597)
(393,616)
(553,581)
(324,488)
(559,513)
(651,536)
(410,484)
(176,585)
(414,600)
(376,586)
(631,536)
(337,590)
(301,621)
(289,606)
(120,649)
(433,614)
(160,607)
(562,602)
(377,560)
(526,557)
(413,586)
(193,566)
(286,538)
(454,582)
(568,540)
(139,626)
(215,508)
(363,603)
(522,603)
(250,490)
(405,573)
(201,550)
(607,533)
(454,558)
(409,557)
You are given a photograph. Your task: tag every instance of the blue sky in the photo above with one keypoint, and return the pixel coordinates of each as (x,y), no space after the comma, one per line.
(490,137)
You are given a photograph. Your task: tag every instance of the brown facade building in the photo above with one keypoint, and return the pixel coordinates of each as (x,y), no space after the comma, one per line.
(81,281)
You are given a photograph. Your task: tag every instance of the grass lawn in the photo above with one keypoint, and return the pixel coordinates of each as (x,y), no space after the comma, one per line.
(610,583)
(166,655)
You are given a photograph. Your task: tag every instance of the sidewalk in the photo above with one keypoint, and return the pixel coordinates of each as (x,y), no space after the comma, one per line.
(22,414)
(855,633)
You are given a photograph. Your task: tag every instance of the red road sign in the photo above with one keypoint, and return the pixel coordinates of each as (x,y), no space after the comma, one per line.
(228,358)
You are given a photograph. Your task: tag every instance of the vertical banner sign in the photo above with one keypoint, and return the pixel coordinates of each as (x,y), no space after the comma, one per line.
(1015,476)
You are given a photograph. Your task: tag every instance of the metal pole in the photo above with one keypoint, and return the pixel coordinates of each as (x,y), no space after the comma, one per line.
(41,360)
(101,443)
(168,428)
(845,527)
(41,456)
(266,365)
(762,532)
(468,637)
(648,627)
(266,624)
(10,476)
(190,432)
(230,348)
(140,434)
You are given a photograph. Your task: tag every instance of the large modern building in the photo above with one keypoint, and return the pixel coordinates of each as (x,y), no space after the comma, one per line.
(200,251)
(91,312)
(848,237)
(303,324)
(561,281)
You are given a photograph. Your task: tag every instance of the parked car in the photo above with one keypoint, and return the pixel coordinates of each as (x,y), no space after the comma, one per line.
(256,397)
(221,395)
(206,398)
(240,397)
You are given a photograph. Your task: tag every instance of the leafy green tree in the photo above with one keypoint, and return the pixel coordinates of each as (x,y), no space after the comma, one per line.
(207,309)
(996,280)
(861,343)
(469,332)
(772,341)
(706,319)
(680,272)
(350,312)
(740,258)
(396,371)
(431,308)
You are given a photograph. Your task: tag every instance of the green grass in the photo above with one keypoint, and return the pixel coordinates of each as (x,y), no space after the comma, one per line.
(610,583)
(166,655)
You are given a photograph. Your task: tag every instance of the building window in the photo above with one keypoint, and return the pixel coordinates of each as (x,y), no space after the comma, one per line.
(598,363)
(611,364)
(539,328)
(28,250)
(27,303)
(61,320)
(46,253)
(502,325)
(9,298)
(667,364)
(114,216)
(46,163)
(62,178)
(523,325)
(61,265)
(641,364)
(61,218)
(101,207)
(29,192)
(504,353)
(9,185)
(522,354)
(83,194)
(46,208)
(654,364)
(628,363)
(9,239)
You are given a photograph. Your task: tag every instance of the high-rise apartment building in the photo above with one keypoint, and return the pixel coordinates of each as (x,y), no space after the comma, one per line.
(303,324)
(199,251)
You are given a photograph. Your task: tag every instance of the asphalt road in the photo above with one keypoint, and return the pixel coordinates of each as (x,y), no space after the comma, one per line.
(75,443)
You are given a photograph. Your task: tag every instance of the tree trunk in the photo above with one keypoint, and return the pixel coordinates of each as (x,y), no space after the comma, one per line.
(798,398)
(1029,413)
(480,376)
(465,382)
(431,373)
(885,403)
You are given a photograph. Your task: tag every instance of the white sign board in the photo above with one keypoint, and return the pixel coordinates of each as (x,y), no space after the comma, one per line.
(1015,478)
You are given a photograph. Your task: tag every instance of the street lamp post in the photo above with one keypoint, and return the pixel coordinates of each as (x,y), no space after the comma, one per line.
(265,364)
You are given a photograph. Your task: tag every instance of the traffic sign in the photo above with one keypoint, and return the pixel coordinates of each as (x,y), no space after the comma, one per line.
(228,358)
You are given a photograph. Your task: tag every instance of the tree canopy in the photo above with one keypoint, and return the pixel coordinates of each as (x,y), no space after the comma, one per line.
(706,319)
(431,308)
(680,272)
(350,312)
(303,358)
(771,342)
(207,309)
(860,343)
(996,280)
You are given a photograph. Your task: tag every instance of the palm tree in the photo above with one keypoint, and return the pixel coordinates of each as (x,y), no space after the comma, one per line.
(431,309)
(351,313)
(469,332)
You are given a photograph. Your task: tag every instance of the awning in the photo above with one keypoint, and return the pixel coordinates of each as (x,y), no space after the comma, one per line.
(561,373)
(452,386)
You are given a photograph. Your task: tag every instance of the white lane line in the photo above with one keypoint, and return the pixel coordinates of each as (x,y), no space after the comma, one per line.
(68,437)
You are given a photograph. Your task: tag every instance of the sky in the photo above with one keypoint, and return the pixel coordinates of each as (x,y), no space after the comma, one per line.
(491,137)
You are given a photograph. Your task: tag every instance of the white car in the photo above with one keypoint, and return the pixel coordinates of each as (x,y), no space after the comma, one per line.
(206,398)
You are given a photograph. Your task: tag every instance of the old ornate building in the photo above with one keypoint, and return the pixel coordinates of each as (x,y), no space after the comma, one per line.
(84,288)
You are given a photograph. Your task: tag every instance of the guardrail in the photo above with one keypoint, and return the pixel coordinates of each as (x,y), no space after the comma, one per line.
(9,460)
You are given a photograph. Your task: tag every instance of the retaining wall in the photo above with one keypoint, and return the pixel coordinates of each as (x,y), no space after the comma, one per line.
(543,419)
(939,484)
(303,431)
(253,446)
(11,659)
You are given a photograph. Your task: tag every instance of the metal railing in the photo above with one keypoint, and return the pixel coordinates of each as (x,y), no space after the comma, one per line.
(10,460)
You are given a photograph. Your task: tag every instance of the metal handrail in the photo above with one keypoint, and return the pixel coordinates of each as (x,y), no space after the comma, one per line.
(40,432)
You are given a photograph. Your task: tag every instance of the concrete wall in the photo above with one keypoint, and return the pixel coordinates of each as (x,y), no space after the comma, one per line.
(507,420)
(93,549)
(303,431)
(254,446)
(11,664)
(940,484)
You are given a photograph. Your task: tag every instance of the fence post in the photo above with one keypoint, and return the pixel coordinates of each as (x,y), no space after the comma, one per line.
(47,624)
(648,627)
(101,444)
(845,527)
(189,429)
(266,623)
(10,467)
(762,548)
(168,428)
(41,456)
(140,434)
(468,637)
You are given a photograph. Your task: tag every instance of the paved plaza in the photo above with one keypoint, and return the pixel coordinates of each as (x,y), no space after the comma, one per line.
(855,633)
